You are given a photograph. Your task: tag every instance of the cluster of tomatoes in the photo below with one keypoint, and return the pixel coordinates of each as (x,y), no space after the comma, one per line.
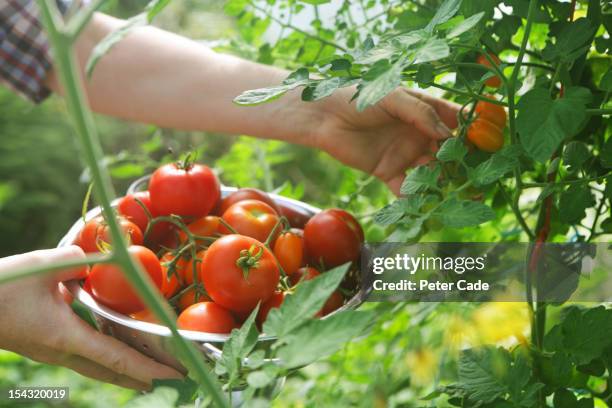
(215,259)
(486,132)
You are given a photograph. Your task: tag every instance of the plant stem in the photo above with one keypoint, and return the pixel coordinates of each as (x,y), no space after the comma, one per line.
(68,71)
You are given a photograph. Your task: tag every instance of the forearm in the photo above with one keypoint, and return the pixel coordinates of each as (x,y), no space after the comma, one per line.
(153,76)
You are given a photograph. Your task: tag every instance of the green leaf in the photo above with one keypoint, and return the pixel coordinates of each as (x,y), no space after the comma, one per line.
(259,379)
(315,2)
(307,300)
(574,202)
(572,41)
(456,213)
(483,373)
(453,149)
(465,25)
(258,96)
(325,87)
(159,397)
(187,388)
(322,337)
(575,155)
(564,399)
(543,123)
(586,333)
(444,13)
(392,213)
(420,179)
(605,84)
(407,230)
(240,344)
(425,74)
(496,166)
(433,49)
(385,81)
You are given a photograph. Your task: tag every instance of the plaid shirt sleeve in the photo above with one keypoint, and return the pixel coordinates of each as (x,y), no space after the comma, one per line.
(24,50)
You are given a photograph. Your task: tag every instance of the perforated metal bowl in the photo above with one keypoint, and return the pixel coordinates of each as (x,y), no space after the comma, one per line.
(154,340)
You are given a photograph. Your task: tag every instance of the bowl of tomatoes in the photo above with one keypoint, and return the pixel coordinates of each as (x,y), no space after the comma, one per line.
(215,253)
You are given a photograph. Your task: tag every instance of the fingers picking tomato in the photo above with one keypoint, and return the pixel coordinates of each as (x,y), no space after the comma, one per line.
(110,287)
(246,194)
(289,250)
(190,192)
(333,237)
(206,317)
(96,232)
(252,218)
(238,272)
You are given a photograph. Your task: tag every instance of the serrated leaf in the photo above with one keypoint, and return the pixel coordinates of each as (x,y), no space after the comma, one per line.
(240,344)
(456,213)
(571,41)
(262,95)
(372,91)
(452,150)
(495,167)
(322,337)
(259,379)
(482,373)
(573,203)
(393,212)
(575,155)
(586,333)
(543,123)
(444,13)
(433,49)
(407,230)
(420,179)
(307,300)
(465,25)
(325,87)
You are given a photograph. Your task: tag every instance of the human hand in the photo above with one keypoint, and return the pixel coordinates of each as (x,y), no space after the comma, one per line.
(37,323)
(401,131)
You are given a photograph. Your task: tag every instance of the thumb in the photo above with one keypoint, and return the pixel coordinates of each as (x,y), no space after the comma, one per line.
(68,253)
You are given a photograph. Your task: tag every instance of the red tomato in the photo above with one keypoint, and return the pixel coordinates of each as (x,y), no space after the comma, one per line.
(289,250)
(206,317)
(485,135)
(190,192)
(334,302)
(246,194)
(87,285)
(494,81)
(204,227)
(190,297)
(305,273)
(333,237)
(188,271)
(275,301)
(296,216)
(95,232)
(238,272)
(130,208)
(495,114)
(170,284)
(110,287)
(252,218)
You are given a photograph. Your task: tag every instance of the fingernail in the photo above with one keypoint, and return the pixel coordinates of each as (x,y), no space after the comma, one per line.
(443,130)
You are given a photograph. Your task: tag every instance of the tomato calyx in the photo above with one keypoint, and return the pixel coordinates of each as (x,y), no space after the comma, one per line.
(186,163)
(249,259)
